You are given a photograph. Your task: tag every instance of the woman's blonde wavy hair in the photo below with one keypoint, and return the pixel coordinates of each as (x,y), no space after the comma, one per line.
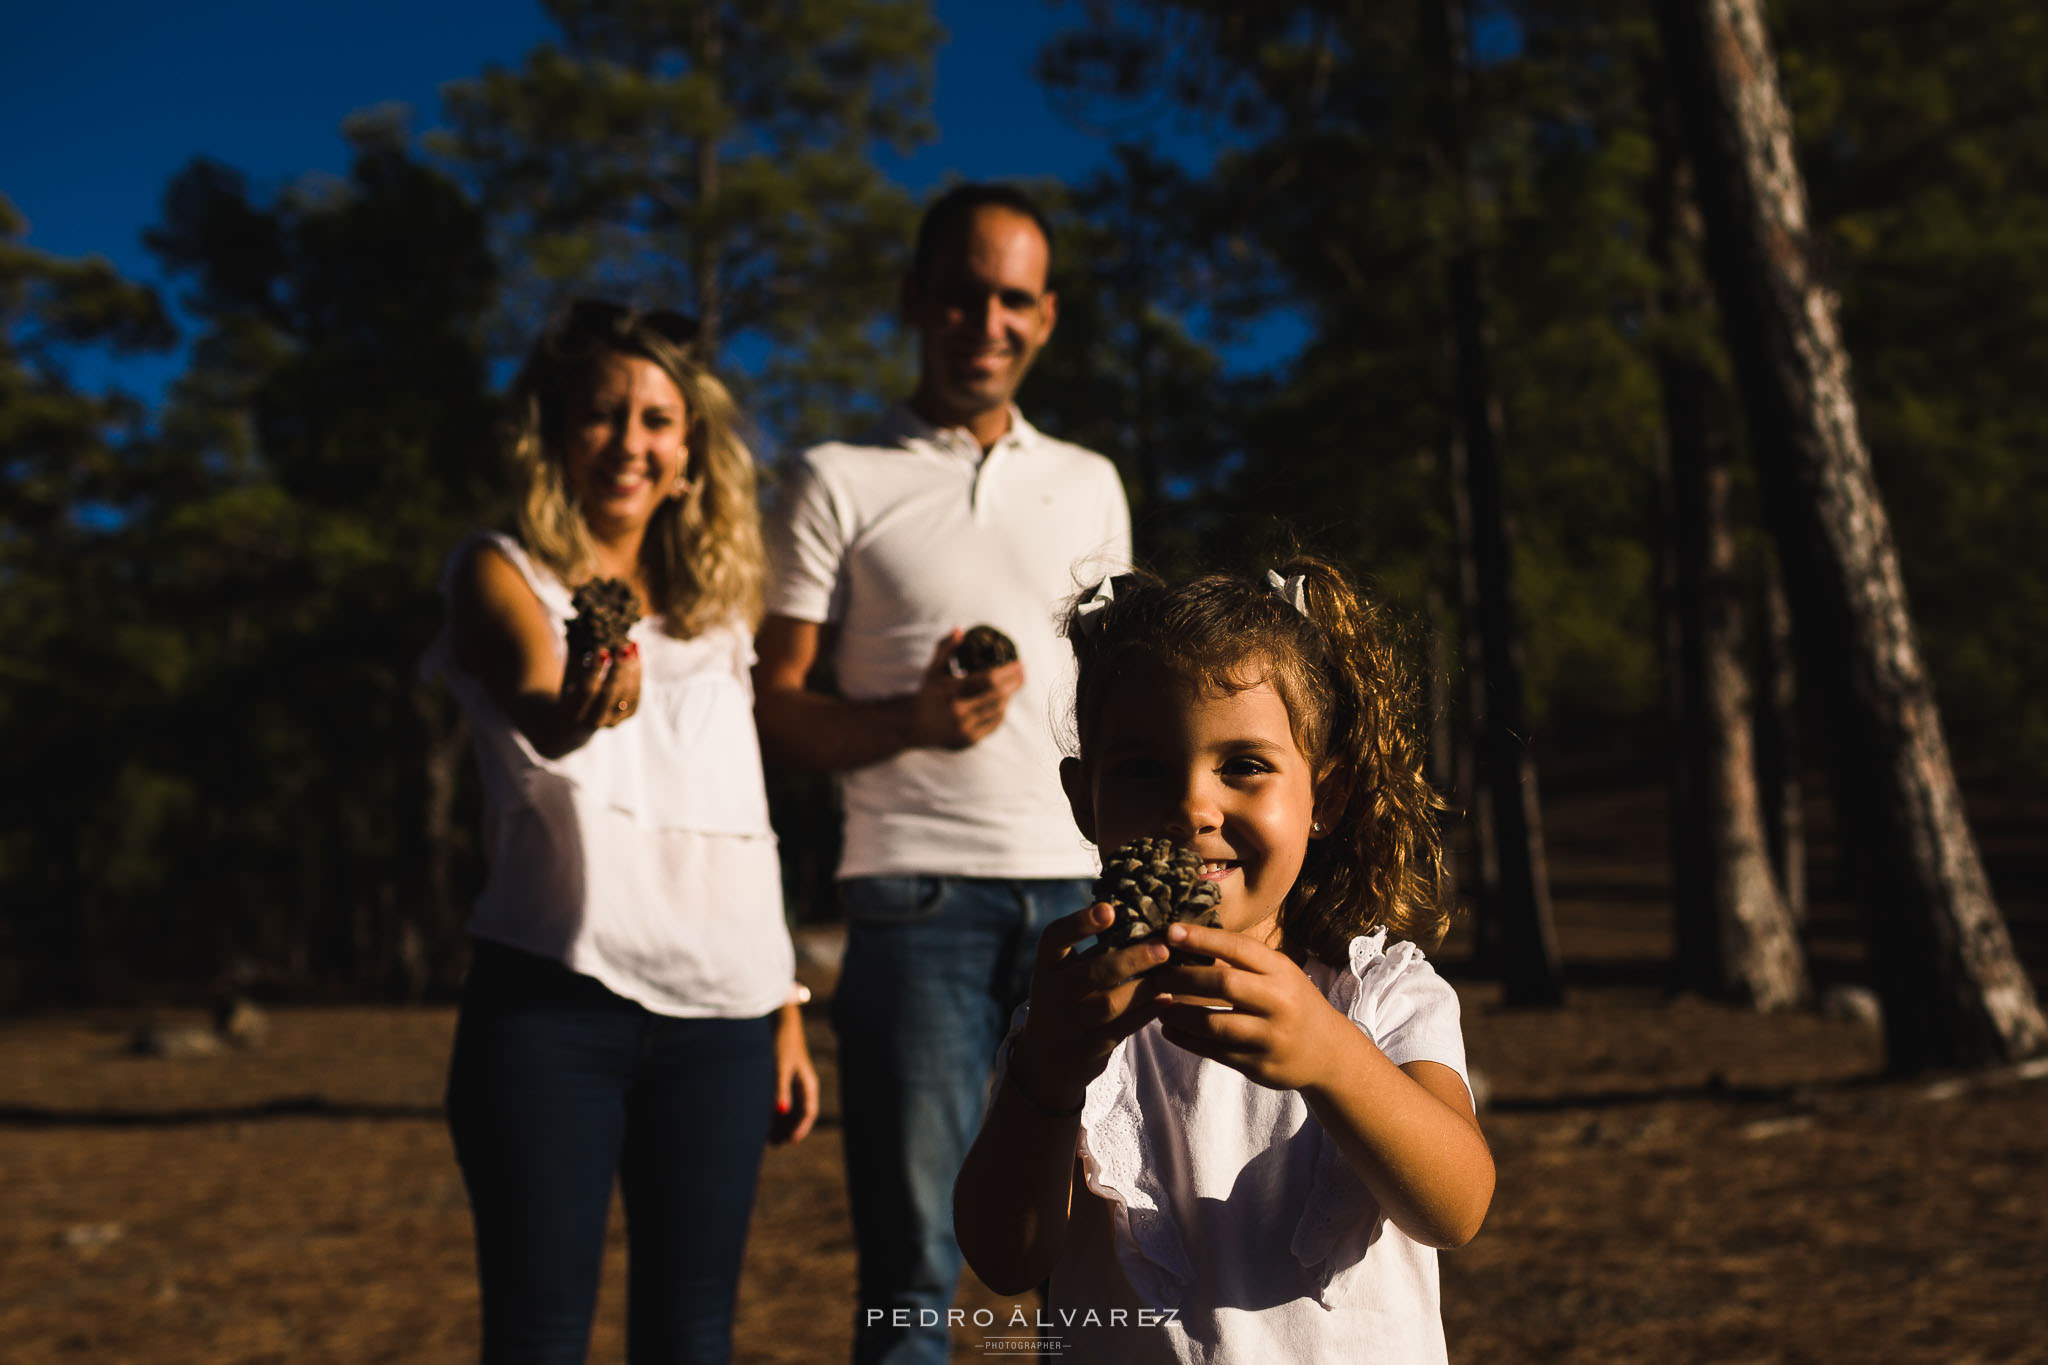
(703,555)
(1351,704)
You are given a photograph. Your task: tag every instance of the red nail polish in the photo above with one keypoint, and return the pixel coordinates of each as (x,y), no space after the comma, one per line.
(632,649)
(604,656)
(782,1106)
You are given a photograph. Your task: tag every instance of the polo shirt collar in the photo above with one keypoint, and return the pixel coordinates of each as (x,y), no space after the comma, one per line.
(904,424)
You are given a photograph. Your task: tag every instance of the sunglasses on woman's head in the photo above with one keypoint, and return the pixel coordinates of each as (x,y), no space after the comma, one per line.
(611,319)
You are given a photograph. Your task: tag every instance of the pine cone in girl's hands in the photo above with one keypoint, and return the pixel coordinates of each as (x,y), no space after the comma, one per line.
(983,648)
(606,609)
(1152,883)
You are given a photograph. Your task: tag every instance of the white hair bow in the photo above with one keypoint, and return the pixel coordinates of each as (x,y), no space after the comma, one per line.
(1294,589)
(1089,613)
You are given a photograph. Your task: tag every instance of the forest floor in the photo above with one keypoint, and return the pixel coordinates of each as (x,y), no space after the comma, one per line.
(1679,1180)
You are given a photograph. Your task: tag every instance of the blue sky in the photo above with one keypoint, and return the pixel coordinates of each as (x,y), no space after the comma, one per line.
(104,103)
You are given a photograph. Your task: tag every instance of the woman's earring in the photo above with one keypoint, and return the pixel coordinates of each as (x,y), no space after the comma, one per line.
(1315,829)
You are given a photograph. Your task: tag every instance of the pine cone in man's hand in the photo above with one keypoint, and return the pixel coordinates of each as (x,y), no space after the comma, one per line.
(983,648)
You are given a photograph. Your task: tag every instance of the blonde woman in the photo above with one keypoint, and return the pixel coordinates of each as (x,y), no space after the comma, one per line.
(631,1012)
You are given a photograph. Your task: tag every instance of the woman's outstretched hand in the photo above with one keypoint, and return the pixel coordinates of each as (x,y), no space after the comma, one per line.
(509,642)
(1277,1028)
(602,688)
(1082,1006)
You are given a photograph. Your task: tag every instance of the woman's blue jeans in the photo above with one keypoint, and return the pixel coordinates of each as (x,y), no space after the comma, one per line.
(934,968)
(556,1087)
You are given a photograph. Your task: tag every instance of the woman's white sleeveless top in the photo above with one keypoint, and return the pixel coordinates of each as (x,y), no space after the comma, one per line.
(644,857)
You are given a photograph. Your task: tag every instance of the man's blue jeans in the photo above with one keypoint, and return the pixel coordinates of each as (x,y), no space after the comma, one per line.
(556,1087)
(934,968)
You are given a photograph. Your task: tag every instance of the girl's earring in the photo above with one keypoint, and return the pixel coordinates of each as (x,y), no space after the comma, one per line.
(1316,830)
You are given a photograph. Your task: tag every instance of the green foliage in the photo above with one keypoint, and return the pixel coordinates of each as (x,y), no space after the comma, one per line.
(1921,135)
(718,157)
(1344,187)
(73,697)
(340,398)
(219,670)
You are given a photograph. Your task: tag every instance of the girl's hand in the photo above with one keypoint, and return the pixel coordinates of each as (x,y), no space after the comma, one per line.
(796,1080)
(1277,1029)
(1082,1006)
(602,689)
(1408,1132)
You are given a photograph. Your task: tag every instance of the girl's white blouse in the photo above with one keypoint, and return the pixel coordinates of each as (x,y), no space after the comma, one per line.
(644,857)
(1224,1211)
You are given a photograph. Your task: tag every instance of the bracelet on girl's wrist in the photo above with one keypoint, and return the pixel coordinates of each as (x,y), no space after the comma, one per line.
(1024,1093)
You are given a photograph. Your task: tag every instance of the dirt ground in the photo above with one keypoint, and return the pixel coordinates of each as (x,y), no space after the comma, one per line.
(1679,1181)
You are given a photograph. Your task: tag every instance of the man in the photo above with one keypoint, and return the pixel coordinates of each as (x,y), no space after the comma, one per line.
(959,847)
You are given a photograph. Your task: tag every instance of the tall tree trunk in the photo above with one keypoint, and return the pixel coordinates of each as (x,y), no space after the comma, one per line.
(1480,873)
(1751,948)
(1692,902)
(1952,988)
(1783,793)
(1735,936)
(1528,957)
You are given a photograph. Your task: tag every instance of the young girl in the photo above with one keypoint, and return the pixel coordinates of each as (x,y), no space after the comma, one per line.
(630,1012)
(1251,1159)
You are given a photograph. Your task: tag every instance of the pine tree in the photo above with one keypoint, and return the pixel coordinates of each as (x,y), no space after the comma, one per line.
(83,667)
(1736,936)
(1953,991)
(338,410)
(720,158)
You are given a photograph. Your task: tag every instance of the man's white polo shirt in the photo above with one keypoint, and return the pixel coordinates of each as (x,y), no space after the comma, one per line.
(899,539)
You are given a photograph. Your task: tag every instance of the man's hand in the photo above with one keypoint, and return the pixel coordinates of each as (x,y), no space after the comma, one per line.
(824,732)
(952,712)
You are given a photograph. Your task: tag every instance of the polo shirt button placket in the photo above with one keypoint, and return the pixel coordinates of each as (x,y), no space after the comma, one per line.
(971,451)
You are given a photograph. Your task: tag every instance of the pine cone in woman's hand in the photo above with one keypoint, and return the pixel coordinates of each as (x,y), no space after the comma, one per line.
(1152,883)
(606,610)
(983,648)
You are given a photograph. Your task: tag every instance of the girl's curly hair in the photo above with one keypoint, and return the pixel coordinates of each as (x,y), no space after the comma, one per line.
(1351,704)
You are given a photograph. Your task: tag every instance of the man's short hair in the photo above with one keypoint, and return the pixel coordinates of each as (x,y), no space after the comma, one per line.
(956,205)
